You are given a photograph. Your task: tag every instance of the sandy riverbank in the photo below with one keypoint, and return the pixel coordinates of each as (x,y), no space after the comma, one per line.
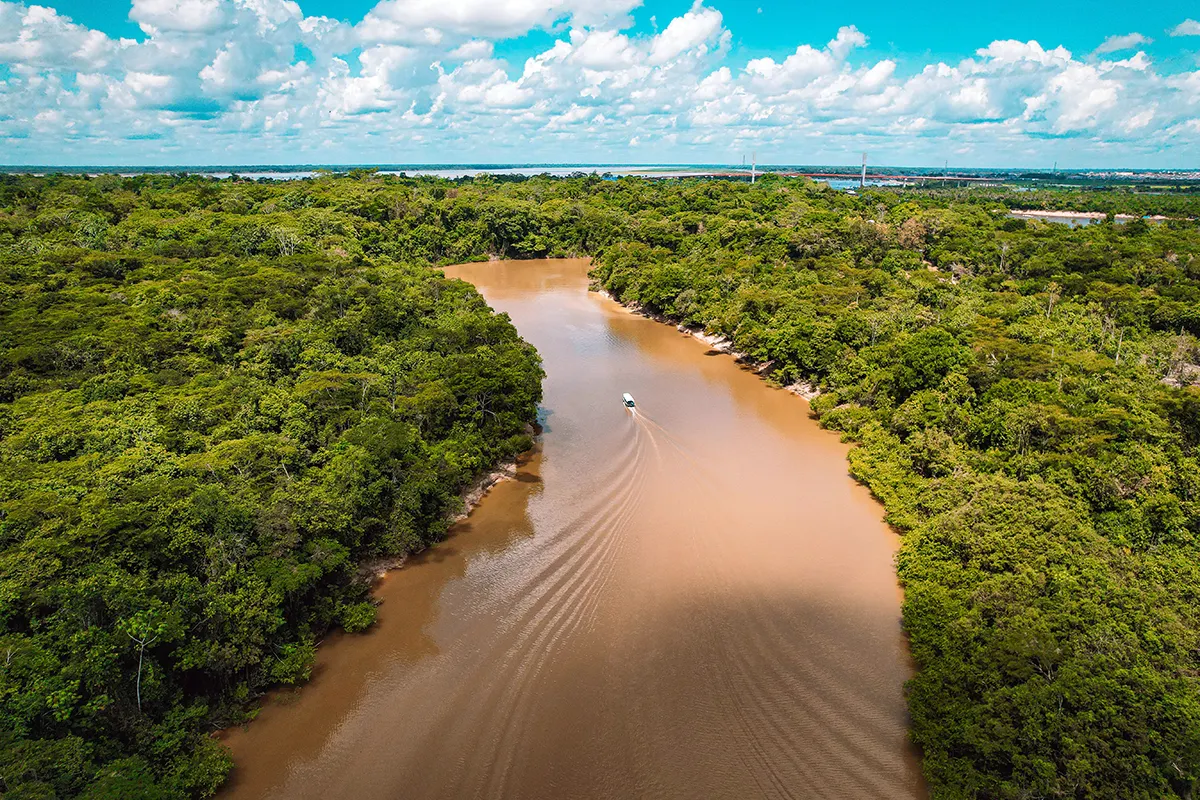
(1092,215)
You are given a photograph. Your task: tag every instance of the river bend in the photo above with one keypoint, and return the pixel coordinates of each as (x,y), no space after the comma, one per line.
(689,600)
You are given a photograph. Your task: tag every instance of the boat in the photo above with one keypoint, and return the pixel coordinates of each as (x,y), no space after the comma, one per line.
(627,398)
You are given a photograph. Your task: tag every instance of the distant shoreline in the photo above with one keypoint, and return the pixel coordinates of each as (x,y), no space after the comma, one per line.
(849,172)
(1092,215)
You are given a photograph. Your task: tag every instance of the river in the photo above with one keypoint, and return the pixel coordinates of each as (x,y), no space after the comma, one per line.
(692,599)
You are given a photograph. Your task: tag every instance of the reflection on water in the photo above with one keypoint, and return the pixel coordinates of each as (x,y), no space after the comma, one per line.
(690,599)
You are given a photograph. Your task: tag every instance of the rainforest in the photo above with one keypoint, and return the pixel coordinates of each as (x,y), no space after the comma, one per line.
(223,401)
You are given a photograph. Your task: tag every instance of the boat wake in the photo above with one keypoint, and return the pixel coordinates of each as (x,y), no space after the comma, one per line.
(671,602)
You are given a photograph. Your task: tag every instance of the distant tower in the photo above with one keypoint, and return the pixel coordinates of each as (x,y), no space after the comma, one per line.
(862,181)
(753,164)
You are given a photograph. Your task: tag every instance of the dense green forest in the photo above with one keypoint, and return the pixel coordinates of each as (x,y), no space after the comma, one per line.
(1016,391)
(218,397)
(202,438)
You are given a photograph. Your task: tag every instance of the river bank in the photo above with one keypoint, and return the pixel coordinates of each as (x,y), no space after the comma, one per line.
(1085,217)
(470,497)
(722,344)
(376,569)
(609,618)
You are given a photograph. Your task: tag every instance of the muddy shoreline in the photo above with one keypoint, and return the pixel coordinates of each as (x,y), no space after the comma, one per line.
(375,569)
(694,591)
(805,389)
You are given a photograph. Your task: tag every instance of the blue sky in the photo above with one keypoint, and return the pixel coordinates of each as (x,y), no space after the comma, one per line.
(454,81)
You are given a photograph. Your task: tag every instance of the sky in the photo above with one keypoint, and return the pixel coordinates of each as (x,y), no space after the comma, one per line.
(1024,83)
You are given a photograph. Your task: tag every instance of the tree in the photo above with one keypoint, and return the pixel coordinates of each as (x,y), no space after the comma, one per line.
(925,359)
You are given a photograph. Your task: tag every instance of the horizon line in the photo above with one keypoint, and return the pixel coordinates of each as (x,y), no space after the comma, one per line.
(283,168)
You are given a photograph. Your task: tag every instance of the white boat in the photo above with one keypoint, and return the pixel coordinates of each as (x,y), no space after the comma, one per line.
(627,398)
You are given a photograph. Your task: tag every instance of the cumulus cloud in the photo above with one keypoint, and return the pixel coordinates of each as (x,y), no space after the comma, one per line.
(39,37)
(685,33)
(244,80)
(1127,41)
(1011,51)
(473,49)
(403,19)
(848,38)
(1080,96)
(190,16)
(1189,27)
(808,67)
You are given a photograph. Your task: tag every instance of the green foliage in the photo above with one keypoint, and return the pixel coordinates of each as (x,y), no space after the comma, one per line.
(218,397)
(1018,393)
(207,422)
(355,617)
(926,358)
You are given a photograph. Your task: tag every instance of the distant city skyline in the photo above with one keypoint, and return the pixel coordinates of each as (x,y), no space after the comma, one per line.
(162,82)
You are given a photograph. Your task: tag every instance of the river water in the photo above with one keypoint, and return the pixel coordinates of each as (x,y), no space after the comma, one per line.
(690,600)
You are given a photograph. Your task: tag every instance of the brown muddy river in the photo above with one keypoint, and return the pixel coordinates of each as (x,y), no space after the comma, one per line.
(693,600)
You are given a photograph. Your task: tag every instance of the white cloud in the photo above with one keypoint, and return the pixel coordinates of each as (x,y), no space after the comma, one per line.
(36,36)
(809,71)
(1189,27)
(685,33)
(1139,120)
(244,80)
(571,116)
(148,84)
(190,16)
(878,75)
(1081,95)
(848,38)
(472,50)
(715,85)
(1127,41)
(1138,62)
(399,19)
(602,50)
(1011,51)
